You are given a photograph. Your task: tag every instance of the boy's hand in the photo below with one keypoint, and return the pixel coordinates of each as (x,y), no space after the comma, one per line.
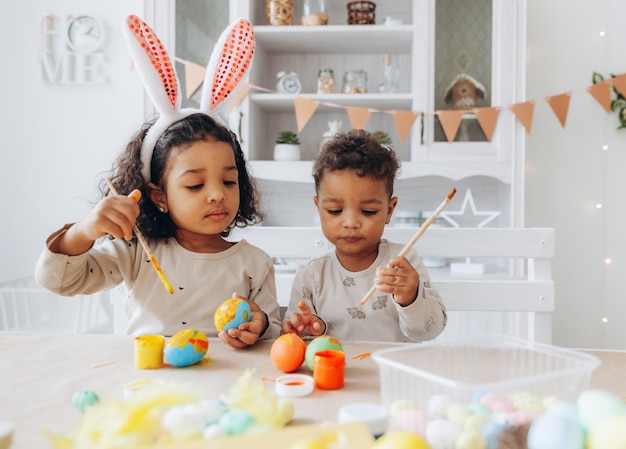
(400,279)
(304,324)
(248,333)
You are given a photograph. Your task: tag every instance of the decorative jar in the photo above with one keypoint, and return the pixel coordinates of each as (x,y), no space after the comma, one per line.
(314,12)
(354,82)
(325,81)
(279,12)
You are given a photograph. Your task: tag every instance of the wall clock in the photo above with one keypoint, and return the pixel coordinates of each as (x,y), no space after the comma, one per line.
(288,83)
(85,34)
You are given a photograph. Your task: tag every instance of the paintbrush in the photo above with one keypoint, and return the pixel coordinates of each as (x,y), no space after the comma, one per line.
(415,237)
(146,248)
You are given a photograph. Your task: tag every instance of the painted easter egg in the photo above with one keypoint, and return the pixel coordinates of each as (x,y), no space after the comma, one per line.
(84,398)
(594,406)
(321,343)
(287,352)
(231,314)
(185,348)
(400,439)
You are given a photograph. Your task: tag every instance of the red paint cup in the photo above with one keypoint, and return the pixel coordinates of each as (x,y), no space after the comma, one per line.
(328,369)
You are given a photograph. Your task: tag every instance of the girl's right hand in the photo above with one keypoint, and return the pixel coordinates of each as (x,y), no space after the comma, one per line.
(304,324)
(115,215)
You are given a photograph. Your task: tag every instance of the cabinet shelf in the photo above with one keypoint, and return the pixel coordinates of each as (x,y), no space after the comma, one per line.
(300,171)
(284,102)
(335,39)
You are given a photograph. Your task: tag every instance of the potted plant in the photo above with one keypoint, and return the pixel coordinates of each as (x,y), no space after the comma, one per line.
(383,138)
(287,146)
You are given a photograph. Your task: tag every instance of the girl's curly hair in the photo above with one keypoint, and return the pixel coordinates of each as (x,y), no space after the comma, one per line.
(357,150)
(126,173)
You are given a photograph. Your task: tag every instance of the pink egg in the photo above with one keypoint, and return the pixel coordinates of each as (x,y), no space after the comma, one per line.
(411,420)
(497,402)
(523,417)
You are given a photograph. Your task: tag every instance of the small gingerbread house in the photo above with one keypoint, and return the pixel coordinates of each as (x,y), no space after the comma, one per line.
(464,92)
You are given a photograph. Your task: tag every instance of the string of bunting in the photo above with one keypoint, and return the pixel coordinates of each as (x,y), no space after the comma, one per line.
(450,120)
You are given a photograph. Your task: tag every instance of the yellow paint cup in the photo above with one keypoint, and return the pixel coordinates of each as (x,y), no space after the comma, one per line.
(149,351)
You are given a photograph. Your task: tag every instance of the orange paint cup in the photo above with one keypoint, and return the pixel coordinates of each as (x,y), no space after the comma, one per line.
(328,369)
(149,351)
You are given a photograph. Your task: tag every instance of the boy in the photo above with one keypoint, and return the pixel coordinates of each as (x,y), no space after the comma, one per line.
(354,178)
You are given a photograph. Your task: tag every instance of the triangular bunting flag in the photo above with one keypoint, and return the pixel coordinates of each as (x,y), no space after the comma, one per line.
(450,122)
(560,105)
(304,110)
(240,95)
(194,76)
(619,82)
(524,113)
(487,118)
(404,121)
(602,93)
(358,117)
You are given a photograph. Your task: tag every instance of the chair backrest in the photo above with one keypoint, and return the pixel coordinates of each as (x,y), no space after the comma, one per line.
(25,306)
(491,279)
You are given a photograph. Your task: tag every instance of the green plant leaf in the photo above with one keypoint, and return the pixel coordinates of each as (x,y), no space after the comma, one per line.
(597,78)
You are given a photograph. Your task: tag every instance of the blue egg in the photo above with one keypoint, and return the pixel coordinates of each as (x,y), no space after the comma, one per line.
(491,432)
(555,431)
(186,348)
(236,422)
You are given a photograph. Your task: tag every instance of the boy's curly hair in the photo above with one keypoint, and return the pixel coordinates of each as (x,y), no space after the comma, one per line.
(357,150)
(126,173)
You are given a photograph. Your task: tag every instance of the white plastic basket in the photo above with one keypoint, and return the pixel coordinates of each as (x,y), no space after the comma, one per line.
(465,367)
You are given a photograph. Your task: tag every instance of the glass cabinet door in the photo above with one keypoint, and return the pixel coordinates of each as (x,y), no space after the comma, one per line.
(463,63)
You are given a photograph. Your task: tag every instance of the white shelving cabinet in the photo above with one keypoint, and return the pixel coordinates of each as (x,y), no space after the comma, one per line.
(413,45)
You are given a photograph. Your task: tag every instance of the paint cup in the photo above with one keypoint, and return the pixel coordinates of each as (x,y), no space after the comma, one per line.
(328,369)
(149,351)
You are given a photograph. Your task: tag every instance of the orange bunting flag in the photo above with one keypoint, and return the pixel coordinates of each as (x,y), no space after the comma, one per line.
(404,121)
(240,96)
(487,118)
(194,76)
(358,117)
(560,106)
(304,111)
(602,93)
(450,122)
(619,83)
(524,113)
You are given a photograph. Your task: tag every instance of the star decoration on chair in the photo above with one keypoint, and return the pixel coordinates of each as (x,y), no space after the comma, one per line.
(469,199)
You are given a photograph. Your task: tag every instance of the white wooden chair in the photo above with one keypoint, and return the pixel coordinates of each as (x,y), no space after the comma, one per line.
(513,296)
(27,307)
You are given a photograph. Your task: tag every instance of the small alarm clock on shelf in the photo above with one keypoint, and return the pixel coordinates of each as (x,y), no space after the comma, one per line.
(288,83)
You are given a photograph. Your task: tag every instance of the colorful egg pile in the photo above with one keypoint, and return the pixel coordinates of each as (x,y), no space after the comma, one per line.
(517,421)
(185,348)
(231,314)
(287,352)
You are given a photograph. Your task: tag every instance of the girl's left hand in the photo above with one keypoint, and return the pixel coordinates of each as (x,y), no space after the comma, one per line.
(248,333)
(400,279)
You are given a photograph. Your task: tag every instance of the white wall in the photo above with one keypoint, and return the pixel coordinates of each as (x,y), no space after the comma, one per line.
(567,171)
(56,139)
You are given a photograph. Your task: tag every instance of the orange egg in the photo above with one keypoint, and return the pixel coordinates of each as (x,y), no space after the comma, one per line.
(287,352)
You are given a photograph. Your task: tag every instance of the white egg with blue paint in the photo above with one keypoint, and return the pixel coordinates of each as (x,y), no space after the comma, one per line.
(555,431)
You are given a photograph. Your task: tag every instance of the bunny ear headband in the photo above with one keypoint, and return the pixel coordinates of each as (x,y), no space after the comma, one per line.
(229,62)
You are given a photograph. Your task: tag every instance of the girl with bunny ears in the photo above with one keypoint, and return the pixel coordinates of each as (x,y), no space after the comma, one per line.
(185,186)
